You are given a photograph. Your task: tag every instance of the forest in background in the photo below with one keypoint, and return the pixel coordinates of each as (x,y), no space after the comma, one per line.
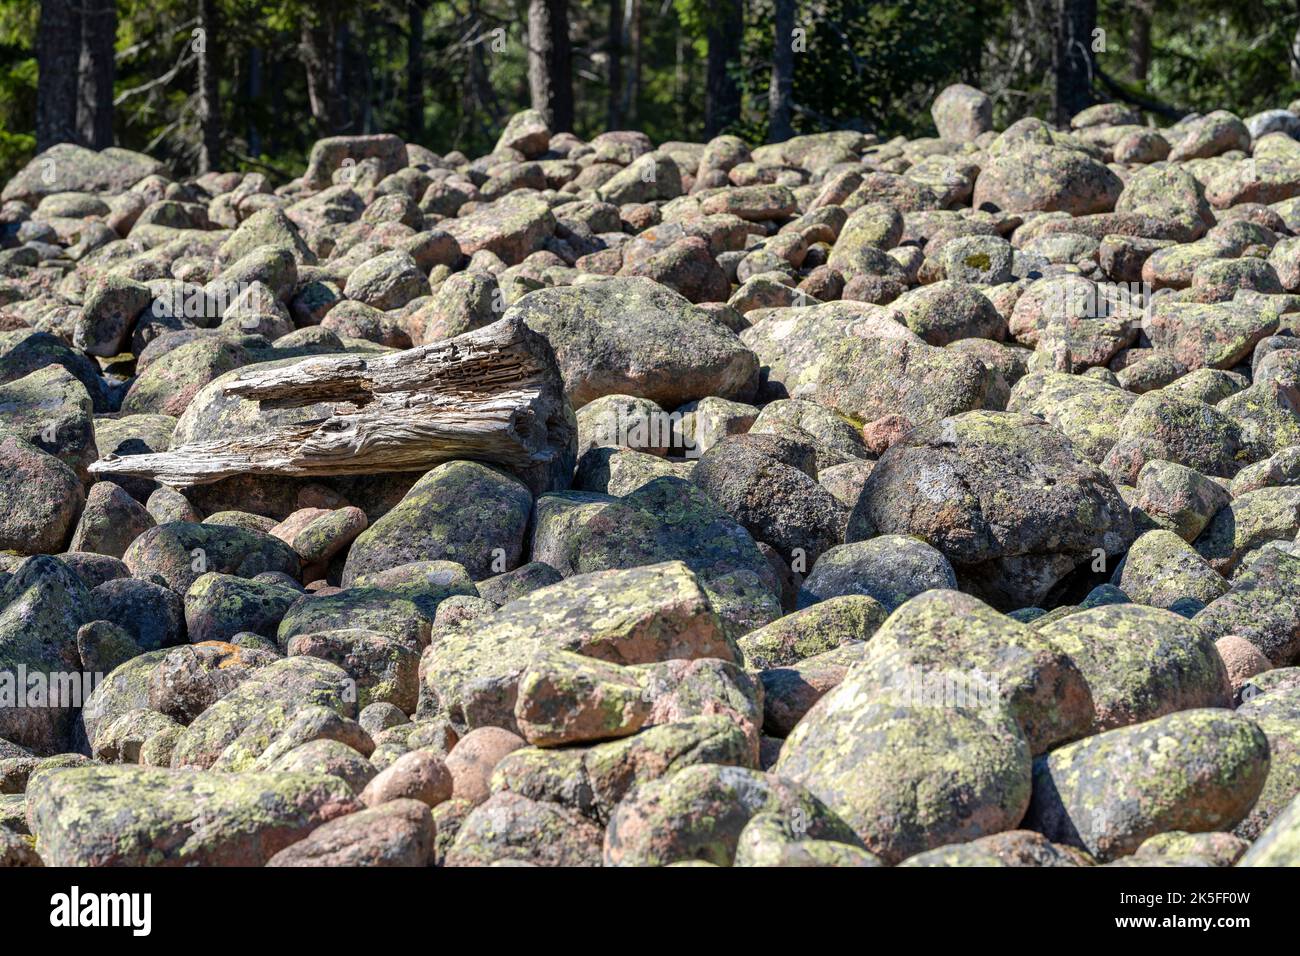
(251,84)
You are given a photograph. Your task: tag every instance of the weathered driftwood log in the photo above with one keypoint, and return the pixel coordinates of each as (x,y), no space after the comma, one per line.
(494,394)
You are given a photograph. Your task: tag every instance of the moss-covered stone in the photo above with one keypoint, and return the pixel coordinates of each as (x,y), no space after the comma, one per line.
(460,511)
(179,552)
(1279,845)
(771,840)
(233,732)
(1162,568)
(1196,770)
(1013,848)
(1140,663)
(824,626)
(638,616)
(700,812)
(1278,715)
(137,816)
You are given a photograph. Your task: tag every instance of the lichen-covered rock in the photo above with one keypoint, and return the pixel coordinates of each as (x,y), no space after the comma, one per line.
(889,569)
(219,606)
(1140,663)
(908,774)
(317,534)
(510,228)
(103,646)
(948,648)
(138,816)
(824,626)
(1046,179)
(1260,607)
(398,833)
(512,585)
(508,827)
(961,113)
(178,553)
(863,379)
(1251,520)
(1167,427)
(757,480)
(1004,497)
(40,499)
(1162,569)
(460,511)
(949,310)
(365,609)
(1218,849)
(632,336)
(326,756)
(1179,498)
(699,813)
(769,840)
(567,698)
(232,733)
(1208,335)
(110,521)
(153,615)
(1278,715)
(1013,848)
(643,615)
(666,519)
(52,409)
(1279,845)
(81,170)
(1196,770)
(42,606)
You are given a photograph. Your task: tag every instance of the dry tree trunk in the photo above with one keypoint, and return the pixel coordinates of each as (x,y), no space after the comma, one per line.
(494,394)
(779,127)
(725,27)
(614,50)
(550,74)
(58,50)
(209,106)
(95,74)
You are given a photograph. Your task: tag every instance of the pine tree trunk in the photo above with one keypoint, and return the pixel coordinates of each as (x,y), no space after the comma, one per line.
(1076,20)
(255,68)
(550,80)
(780,91)
(96,72)
(58,52)
(614,53)
(1139,46)
(561,67)
(319,48)
(722,94)
(632,91)
(209,105)
(415,70)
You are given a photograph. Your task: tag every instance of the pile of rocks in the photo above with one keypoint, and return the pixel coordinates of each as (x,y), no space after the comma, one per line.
(935,503)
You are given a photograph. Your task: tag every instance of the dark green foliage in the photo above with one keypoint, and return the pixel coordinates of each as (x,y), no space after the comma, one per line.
(858,64)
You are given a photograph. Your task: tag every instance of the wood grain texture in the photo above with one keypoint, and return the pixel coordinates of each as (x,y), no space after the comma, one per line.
(494,394)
